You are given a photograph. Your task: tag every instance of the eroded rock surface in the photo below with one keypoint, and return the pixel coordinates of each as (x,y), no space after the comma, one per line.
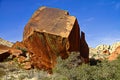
(114,46)
(50,33)
(4,52)
(19,45)
(114,55)
(84,49)
(7,51)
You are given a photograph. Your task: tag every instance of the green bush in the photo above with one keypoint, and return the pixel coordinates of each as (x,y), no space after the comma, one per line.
(105,70)
(24,50)
(68,69)
(2,72)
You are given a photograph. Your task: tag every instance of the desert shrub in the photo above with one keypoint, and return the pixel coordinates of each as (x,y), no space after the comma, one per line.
(105,70)
(24,50)
(68,69)
(2,72)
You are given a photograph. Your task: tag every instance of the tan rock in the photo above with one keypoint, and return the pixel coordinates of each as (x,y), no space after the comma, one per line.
(11,62)
(112,57)
(114,46)
(21,59)
(115,54)
(27,65)
(103,47)
(15,52)
(5,43)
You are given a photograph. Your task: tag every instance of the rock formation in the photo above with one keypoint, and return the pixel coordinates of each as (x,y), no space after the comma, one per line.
(110,52)
(50,33)
(103,47)
(114,46)
(19,45)
(17,51)
(114,55)
(4,52)
(84,49)
(7,51)
(6,43)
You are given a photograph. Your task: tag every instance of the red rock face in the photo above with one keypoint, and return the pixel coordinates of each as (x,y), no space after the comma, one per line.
(7,51)
(18,45)
(51,33)
(4,52)
(84,49)
(115,54)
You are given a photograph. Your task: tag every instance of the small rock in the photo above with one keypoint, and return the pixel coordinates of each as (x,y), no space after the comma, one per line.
(15,52)
(11,62)
(21,59)
(27,65)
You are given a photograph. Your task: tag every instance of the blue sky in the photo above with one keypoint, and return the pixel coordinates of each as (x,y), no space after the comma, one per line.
(99,19)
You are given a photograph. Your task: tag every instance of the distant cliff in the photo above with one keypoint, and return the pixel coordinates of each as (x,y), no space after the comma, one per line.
(110,52)
(5,42)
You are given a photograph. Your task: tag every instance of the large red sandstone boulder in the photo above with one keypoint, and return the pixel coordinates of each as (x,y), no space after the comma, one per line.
(50,33)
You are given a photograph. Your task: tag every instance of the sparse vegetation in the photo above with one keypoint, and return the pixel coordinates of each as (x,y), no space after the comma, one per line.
(67,69)
(22,49)
(102,71)
(2,72)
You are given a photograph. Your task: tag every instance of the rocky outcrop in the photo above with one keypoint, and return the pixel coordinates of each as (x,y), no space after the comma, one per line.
(114,55)
(110,52)
(103,47)
(19,45)
(7,51)
(84,49)
(6,43)
(114,46)
(50,33)
(12,53)
(4,52)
